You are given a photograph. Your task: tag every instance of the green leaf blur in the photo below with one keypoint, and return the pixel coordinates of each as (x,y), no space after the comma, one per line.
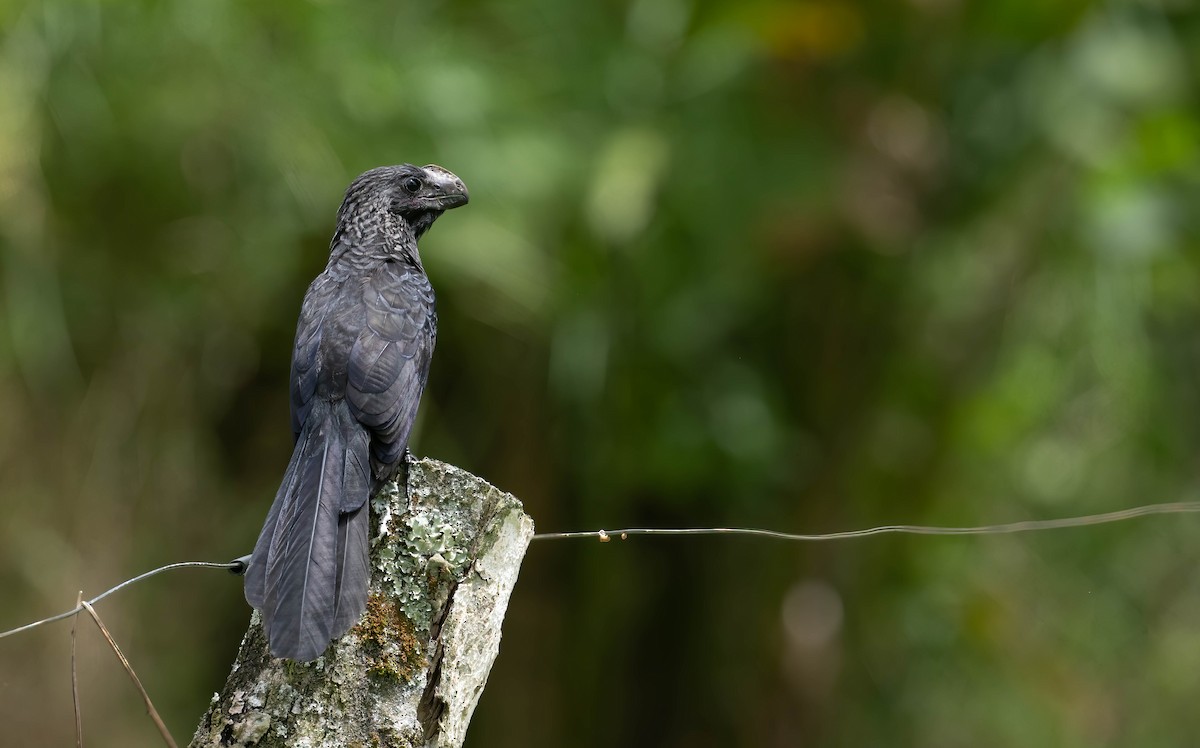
(809,265)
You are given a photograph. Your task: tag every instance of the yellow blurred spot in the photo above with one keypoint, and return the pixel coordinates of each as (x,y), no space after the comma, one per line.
(812,30)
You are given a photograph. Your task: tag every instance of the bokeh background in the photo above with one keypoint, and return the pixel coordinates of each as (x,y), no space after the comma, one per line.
(811,265)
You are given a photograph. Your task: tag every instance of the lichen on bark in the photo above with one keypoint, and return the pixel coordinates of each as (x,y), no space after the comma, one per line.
(445,556)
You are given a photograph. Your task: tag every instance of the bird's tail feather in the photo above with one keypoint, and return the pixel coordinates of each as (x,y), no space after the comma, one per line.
(353,531)
(309,572)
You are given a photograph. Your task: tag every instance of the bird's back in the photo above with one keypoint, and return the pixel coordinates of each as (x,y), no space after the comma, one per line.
(366,336)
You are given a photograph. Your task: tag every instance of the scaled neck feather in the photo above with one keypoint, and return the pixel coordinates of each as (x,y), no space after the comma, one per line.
(374,241)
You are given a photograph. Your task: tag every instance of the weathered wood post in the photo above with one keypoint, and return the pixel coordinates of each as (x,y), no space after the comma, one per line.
(445,556)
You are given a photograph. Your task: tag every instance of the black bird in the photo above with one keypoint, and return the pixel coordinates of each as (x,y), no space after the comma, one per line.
(361,358)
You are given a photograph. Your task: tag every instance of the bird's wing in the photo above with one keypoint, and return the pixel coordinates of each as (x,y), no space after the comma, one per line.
(389,361)
(319,302)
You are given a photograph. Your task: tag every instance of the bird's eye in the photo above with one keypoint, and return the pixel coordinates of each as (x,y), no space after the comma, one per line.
(413,185)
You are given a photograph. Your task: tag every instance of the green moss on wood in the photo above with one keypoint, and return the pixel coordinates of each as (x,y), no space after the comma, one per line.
(389,640)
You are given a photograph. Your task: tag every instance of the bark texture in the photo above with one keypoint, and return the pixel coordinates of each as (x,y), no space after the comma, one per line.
(445,556)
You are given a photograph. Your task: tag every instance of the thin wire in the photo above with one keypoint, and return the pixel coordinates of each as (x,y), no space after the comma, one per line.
(232,566)
(1176,507)
(75,678)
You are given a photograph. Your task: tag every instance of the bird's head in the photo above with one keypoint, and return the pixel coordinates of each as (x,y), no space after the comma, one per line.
(416,194)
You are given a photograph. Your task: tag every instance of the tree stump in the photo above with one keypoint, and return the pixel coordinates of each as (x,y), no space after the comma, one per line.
(445,555)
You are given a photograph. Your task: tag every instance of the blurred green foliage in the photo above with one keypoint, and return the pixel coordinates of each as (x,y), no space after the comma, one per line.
(808,265)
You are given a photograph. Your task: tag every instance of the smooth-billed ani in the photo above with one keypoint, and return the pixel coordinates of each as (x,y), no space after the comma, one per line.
(361,358)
